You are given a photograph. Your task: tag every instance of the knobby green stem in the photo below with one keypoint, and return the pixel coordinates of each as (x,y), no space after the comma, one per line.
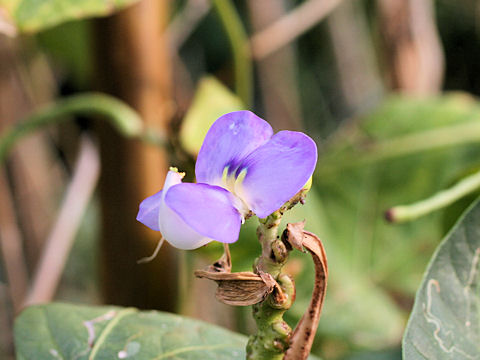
(240,49)
(273,333)
(403,213)
(123,118)
(274,252)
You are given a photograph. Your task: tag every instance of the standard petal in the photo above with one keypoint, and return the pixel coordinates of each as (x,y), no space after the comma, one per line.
(230,139)
(276,171)
(206,210)
(149,210)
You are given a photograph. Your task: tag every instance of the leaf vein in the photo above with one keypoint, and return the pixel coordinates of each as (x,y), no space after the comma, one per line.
(108,329)
(191,348)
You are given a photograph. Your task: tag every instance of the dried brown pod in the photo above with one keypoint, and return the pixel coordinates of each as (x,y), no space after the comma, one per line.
(304,333)
(241,288)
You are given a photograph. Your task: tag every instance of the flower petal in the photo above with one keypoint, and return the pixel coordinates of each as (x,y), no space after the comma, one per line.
(230,139)
(177,232)
(276,171)
(205,209)
(149,210)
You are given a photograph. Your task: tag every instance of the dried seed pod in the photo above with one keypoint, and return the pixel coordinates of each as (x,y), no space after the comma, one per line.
(241,288)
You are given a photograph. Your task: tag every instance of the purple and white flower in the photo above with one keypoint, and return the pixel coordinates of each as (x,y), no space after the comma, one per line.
(241,167)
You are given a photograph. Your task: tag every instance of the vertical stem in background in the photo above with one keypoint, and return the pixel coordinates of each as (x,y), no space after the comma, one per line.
(35,176)
(11,247)
(358,71)
(414,53)
(133,64)
(277,71)
(240,49)
(60,240)
(6,320)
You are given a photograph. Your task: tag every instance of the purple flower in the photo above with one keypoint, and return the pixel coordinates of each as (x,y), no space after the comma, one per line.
(241,166)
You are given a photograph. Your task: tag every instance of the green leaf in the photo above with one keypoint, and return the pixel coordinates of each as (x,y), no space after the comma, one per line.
(445,321)
(33,15)
(212,100)
(63,331)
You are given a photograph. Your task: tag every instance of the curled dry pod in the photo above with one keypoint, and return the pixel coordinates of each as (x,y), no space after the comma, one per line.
(241,288)
(304,333)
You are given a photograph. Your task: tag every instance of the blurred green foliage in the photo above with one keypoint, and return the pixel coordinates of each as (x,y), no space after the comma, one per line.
(31,15)
(355,194)
(70,47)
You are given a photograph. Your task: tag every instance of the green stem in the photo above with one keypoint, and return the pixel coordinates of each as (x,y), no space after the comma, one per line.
(273,333)
(123,118)
(240,49)
(273,250)
(403,213)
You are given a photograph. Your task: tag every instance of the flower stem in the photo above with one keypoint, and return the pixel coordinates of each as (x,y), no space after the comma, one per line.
(273,334)
(240,49)
(403,213)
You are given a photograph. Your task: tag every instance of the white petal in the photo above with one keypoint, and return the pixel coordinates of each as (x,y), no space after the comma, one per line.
(172,227)
(177,232)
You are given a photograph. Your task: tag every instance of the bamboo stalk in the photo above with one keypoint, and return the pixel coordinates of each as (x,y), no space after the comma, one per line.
(133,63)
(290,27)
(413,50)
(277,72)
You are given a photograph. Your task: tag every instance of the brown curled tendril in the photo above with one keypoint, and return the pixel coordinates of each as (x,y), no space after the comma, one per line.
(302,337)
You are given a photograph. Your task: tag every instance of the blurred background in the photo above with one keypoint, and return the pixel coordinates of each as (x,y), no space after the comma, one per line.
(386,88)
